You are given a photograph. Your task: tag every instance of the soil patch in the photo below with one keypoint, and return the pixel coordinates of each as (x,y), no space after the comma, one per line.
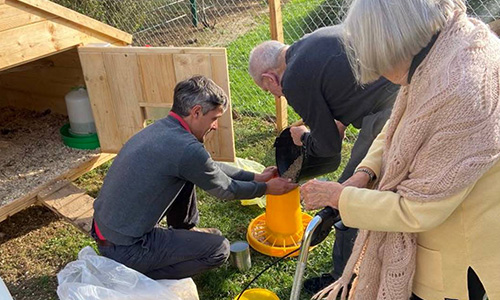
(35,245)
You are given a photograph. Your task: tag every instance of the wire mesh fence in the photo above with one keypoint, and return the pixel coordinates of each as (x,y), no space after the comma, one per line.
(238,25)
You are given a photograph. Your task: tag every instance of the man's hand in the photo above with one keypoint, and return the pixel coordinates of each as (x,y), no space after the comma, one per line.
(359,180)
(318,194)
(297,132)
(267,174)
(279,186)
(341,127)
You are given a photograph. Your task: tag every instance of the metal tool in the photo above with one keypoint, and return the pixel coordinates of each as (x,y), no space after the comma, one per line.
(317,230)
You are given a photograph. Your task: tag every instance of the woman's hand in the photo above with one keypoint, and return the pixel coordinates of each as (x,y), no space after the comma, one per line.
(267,174)
(318,194)
(359,180)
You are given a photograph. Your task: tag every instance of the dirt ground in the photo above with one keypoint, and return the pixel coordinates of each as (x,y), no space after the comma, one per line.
(36,232)
(225,24)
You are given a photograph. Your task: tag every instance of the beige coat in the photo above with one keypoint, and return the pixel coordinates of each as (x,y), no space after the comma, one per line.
(454,234)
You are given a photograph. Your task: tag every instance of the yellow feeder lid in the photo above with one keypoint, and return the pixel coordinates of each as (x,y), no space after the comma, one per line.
(258,294)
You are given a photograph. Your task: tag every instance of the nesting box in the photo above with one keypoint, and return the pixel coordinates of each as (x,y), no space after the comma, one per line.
(46,50)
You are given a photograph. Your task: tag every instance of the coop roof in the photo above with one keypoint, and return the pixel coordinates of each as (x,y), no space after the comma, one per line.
(31,29)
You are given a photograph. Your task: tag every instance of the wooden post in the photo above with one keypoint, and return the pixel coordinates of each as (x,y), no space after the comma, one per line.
(495,26)
(276,26)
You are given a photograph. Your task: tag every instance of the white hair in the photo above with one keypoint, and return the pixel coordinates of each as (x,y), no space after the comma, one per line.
(264,58)
(380,34)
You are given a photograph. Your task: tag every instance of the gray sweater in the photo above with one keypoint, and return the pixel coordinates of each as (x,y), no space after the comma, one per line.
(150,171)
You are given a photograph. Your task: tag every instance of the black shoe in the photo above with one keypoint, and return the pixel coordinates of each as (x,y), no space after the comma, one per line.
(316,284)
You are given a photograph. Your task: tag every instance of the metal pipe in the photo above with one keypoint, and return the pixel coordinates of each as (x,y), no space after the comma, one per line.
(194,13)
(302,260)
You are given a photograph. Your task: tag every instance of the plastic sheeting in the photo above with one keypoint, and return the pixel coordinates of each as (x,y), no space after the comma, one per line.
(94,277)
(255,167)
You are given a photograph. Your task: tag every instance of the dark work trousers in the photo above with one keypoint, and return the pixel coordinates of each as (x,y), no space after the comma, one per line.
(344,236)
(474,285)
(174,252)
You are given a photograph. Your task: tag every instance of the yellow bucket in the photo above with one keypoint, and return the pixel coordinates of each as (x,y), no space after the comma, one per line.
(258,294)
(279,231)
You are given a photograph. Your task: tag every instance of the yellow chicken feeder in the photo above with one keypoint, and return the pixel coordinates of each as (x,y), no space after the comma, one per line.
(279,230)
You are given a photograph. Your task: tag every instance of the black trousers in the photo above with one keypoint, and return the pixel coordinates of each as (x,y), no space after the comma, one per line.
(474,285)
(174,252)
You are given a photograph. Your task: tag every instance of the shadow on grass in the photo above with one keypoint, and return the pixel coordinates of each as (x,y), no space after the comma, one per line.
(30,219)
(41,287)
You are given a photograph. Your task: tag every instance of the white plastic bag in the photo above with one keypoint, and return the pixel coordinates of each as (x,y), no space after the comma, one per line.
(94,277)
(251,166)
(4,292)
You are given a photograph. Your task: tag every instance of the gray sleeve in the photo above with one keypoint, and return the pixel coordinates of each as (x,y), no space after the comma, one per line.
(197,166)
(235,173)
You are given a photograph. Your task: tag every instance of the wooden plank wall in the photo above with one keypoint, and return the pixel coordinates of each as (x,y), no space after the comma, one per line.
(39,61)
(42,84)
(123,82)
(28,33)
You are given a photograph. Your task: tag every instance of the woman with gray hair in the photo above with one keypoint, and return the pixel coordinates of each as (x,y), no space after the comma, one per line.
(430,227)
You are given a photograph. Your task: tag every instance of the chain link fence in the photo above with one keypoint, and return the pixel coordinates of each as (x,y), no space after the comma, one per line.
(238,25)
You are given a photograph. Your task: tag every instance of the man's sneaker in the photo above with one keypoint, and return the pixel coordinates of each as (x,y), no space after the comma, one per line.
(207,230)
(316,284)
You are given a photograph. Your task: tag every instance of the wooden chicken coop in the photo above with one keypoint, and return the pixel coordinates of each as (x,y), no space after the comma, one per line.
(45,51)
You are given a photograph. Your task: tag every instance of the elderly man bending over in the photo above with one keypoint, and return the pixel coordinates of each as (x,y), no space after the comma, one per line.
(315,77)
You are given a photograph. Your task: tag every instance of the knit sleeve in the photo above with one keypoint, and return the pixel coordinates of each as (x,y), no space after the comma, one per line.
(373,158)
(199,168)
(396,213)
(235,173)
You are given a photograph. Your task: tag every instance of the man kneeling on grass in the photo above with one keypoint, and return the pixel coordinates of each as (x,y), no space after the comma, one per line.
(154,176)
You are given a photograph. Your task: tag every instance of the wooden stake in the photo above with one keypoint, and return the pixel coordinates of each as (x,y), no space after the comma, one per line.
(276,27)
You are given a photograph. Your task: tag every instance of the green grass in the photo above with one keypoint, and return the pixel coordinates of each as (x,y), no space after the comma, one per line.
(254,140)
(247,98)
(254,135)
(232,219)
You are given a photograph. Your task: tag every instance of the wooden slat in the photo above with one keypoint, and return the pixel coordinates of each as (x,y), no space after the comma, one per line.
(275,20)
(15,14)
(73,204)
(101,100)
(77,207)
(63,197)
(154,50)
(187,65)
(158,82)
(84,221)
(281,113)
(132,88)
(50,81)
(276,28)
(66,59)
(495,26)
(223,141)
(54,187)
(27,43)
(31,198)
(126,92)
(32,101)
(82,20)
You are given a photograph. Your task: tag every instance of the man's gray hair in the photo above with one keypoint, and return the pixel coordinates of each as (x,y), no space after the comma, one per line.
(264,58)
(198,90)
(380,34)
